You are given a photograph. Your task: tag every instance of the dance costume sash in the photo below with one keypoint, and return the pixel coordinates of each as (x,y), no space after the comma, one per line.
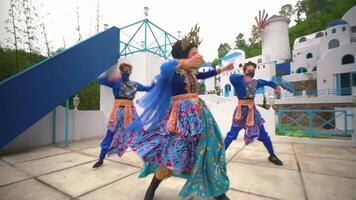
(127,104)
(172,122)
(250,103)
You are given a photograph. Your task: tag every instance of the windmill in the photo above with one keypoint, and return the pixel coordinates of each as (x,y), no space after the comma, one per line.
(261,23)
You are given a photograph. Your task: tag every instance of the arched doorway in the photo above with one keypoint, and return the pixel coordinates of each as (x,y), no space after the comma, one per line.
(227,90)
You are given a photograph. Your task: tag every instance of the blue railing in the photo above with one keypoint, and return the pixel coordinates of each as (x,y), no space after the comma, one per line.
(314,122)
(319,93)
(283,83)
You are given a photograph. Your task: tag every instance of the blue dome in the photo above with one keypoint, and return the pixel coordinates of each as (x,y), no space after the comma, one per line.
(337,22)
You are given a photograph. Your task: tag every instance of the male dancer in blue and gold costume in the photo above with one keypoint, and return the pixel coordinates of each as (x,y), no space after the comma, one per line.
(182,138)
(123,111)
(246,116)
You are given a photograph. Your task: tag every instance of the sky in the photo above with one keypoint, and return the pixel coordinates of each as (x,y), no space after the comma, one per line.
(220,21)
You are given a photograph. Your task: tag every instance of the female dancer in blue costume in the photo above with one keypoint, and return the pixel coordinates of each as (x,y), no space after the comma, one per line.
(123,111)
(246,116)
(182,137)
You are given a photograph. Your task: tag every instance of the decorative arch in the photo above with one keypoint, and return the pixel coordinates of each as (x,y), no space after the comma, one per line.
(301,70)
(334,43)
(347,59)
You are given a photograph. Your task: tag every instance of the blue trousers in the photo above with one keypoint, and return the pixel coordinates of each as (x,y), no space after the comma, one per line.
(105,144)
(263,137)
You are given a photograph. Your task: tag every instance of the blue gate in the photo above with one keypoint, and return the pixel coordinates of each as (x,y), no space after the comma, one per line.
(314,123)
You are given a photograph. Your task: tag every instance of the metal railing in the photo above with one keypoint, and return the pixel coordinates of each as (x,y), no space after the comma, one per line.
(310,93)
(283,83)
(314,122)
(152,39)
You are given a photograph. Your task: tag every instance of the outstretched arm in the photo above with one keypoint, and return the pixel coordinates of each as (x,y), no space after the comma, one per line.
(208,74)
(205,75)
(275,86)
(262,83)
(143,88)
(105,81)
(109,78)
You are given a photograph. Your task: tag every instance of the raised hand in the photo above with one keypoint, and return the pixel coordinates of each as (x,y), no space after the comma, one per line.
(228,67)
(194,61)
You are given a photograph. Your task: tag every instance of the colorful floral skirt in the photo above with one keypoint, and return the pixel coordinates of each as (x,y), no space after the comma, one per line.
(121,137)
(194,150)
(251,133)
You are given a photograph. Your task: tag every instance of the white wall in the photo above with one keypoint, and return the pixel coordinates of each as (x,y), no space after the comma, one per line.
(210,82)
(343,36)
(223,113)
(82,125)
(331,65)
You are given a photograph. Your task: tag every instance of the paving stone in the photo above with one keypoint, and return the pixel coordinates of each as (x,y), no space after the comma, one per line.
(266,181)
(324,151)
(30,190)
(34,154)
(9,174)
(234,195)
(329,187)
(132,188)
(261,158)
(343,168)
(79,180)
(278,147)
(2,163)
(130,158)
(83,144)
(54,163)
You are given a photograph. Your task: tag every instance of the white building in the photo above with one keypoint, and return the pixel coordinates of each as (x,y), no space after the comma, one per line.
(210,82)
(327,57)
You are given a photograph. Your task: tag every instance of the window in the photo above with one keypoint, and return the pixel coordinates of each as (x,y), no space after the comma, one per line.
(353,29)
(326,33)
(203,70)
(344,28)
(320,34)
(347,59)
(314,69)
(309,55)
(301,70)
(333,30)
(302,39)
(334,43)
(263,66)
(259,60)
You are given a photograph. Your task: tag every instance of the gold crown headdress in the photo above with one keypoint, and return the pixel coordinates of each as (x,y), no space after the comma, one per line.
(191,38)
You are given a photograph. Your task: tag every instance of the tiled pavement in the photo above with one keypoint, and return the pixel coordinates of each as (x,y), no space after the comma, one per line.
(310,172)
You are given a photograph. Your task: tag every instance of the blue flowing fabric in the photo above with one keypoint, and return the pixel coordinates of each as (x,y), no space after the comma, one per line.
(156,102)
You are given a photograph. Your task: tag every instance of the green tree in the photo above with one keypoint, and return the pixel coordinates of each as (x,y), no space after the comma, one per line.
(240,42)
(300,9)
(223,49)
(287,11)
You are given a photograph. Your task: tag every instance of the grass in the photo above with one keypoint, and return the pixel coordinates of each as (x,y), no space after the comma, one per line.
(294,131)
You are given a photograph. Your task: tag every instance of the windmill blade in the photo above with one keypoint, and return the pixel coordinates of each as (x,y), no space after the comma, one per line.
(259,15)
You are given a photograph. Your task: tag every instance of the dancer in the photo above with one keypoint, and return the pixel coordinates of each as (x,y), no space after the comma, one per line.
(123,111)
(246,116)
(181,138)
